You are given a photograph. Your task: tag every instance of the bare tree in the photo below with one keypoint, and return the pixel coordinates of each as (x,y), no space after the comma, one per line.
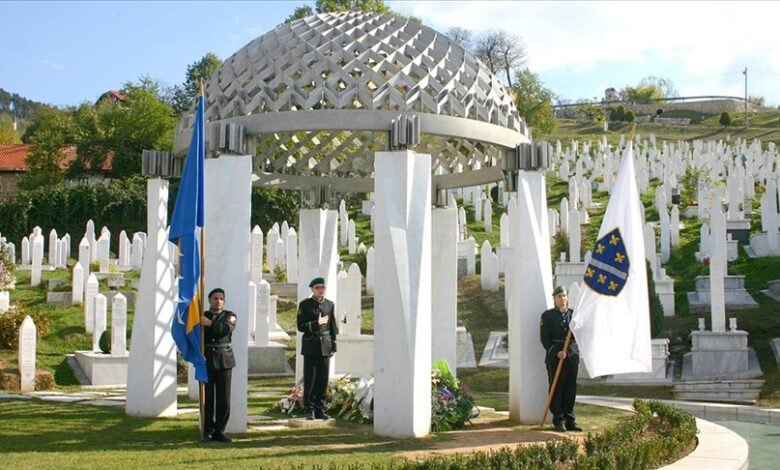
(511,53)
(460,36)
(486,48)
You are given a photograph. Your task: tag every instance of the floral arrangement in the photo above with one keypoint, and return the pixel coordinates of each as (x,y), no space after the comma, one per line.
(292,402)
(352,400)
(451,404)
(7,267)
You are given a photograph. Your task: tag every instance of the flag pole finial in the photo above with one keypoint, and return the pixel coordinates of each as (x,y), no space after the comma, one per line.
(632,133)
(201,88)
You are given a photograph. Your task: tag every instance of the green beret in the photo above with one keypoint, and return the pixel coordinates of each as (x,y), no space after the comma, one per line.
(317,280)
(559,290)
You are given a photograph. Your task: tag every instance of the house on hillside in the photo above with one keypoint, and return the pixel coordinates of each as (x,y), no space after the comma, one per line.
(610,94)
(13,164)
(112,97)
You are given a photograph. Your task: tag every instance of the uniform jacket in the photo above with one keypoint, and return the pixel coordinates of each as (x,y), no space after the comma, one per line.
(318,340)
(552,330)
(217,337)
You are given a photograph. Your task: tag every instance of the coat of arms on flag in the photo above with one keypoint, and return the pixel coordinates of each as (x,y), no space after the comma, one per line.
(607,271)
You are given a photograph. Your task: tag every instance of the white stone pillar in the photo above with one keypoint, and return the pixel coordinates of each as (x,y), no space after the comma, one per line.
(532,294)
(343,222)
(137,251)
(444,285)
(402,386)
(317,240)
(488,216)
(503,226)
(124,250)
(119,325)
(575,236)
(26,351)
(84,260)
(103,253)
(90,236)
(341,299)
(37,260)
(674,226)
(271,238)
(77,283)
(25,251)
(252,313)
(229,184)
(100,321)
(351,237)
(151,368)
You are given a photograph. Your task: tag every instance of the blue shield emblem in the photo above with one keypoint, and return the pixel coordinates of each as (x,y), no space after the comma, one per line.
(607,271)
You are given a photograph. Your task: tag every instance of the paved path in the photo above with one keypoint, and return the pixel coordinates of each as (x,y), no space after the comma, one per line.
(763,440)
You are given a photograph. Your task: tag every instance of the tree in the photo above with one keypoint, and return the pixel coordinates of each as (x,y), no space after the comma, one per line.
(486,48)
(460,36)
(300,12)
(757,100)
(328,6)
(501,51)
(184,94)
(534,102)
(725,119)
(50,131)
(664,85)
(649,89)
(7,133)
(629,116)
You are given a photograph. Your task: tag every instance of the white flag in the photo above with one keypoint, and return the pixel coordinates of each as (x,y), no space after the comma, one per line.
(611,320)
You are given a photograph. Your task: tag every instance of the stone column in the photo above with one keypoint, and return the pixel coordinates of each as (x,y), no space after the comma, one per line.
(262,324)
(53,248)
(256,247)
(317,257)
(531,295)
(352,298)
(100,321)
(151,368)
(84,260)
(371,269)
(718,268)
(291,247)
(229,184)
(444,285)
(402,390)
(89,303)
(77,290)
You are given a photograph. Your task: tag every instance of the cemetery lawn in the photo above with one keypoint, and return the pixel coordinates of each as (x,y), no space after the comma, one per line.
(42,434)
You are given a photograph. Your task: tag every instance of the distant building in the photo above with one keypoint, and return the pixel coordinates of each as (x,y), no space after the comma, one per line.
(112,96)
(13,164)
(610,94)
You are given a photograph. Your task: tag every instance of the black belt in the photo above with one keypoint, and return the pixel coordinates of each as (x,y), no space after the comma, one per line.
(218,346)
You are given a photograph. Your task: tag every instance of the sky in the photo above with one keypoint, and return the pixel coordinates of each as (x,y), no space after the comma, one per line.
(67,52)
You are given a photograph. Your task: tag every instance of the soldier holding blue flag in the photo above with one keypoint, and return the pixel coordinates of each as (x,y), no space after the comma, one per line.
(553,328)
(218,327)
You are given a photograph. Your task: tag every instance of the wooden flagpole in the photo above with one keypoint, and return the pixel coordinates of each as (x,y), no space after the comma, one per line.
(555,379)
(201,289)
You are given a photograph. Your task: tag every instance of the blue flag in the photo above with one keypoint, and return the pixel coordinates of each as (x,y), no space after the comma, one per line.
(187,217)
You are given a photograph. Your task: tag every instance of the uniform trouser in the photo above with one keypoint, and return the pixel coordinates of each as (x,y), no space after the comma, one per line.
(315,382)
(217,392)
(562,404)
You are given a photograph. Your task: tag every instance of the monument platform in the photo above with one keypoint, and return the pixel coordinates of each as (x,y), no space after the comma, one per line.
(102,369)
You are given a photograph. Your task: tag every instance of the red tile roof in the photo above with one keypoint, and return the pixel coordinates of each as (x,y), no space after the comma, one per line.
(13,157)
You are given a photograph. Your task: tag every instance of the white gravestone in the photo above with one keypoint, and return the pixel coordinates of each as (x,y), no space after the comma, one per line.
(119,325)
(488,216)
(352,299)
(90,236)
(84,261)
(37,259)
(53,238)
(370,270)
(256,247)
(575,236)
(262,313)
(292,256)
(137,252)
(103,252)
(343,223)
(89,303)
(25,251)
(77,291)
(124,250)
(675,226)
(271,238)
(351,238)
(27,345)
(503,226)
(100,321)
(402,383)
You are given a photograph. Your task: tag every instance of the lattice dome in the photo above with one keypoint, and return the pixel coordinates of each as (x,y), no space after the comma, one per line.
(281,86)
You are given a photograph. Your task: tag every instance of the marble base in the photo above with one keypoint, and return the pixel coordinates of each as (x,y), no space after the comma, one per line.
(496,352)
(662,373)
(736,297)
(773,290)
(60,299)
(278,334)
(103,369)
(355,355)
(266,361)
(720,355)
(465,350)
(311,424)
(759,246)
(739,230)
(732,391)
(28,267)
(567,272)
(665,290)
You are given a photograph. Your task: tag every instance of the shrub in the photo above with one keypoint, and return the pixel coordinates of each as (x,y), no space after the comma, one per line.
(280,274)
(11,321)
(725,119)
(629,116)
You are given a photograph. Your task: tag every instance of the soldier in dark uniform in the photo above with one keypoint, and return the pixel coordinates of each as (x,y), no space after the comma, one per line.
(218,325)
(554,326)
(317,322)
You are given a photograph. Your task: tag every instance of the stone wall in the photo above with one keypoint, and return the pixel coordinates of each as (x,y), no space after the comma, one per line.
(707,106)
(9,181)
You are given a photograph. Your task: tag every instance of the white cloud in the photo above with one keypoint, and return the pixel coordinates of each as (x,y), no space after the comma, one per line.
(52,64)
(704,38)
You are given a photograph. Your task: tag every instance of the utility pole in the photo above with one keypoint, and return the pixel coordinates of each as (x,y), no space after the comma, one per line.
(744,72)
